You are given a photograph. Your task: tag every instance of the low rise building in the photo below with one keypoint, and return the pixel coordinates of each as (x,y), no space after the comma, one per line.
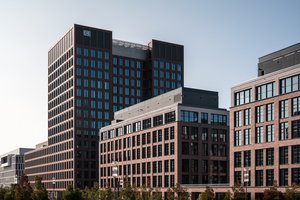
(177,137)
(12,166)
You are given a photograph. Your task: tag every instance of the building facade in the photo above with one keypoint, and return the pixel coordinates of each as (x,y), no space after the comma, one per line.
(177,137)
(90,76)
(264,134)
(12,166)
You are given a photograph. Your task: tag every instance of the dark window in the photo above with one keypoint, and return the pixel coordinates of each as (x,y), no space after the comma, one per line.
(204,149)
(214,135)
(289,84)
(218,119)
(194,148)
(215,166)
(284,109)
(295,154)
(185,165)
(204,134)
(247,158)
(194,133)
(270,177)
(270,156)
(283,177)
(247,136)
(259,114)
(204,166)
(238,118)
(238,138)
(222,135)
(296,129)
(157,120)
(170,117)
(265,91)
(259,177)
(243,97)
(172,133)
(237,159)
(259,135)
(185,132)
(296,175)
(259,159)
(283,155)
(270,112)
(154,136)
(166,131)
(185,148)
(222,150)
(223,167)
(214,150)
(270,133)
(204,118)
(296,106)
(284,127)
(189,116)
(146,123)
(237,176)
(247,116)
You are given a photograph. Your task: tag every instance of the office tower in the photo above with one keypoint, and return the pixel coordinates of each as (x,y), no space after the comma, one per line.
(177,137)
(264,133)
(90,76)
(12,166)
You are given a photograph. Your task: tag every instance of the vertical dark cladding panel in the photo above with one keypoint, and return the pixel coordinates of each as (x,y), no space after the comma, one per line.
(168,52)
(107,40)
(174,53)
(180,54)
(156,49)
(79,35)
(162,51)
(100,39)
(93,38)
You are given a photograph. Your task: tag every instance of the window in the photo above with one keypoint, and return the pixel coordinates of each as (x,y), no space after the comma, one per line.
(136,126)
(237,176)
(265,91)
(289,84)
(270,133)
(296,129)
(270,156)
(283,155)
(204,149)
(296,175)
(157,120)
(194,148)
(185,165)
(237,159)
(243,97)
(284,131)
(218,119)
(284,109)
(170,117)
(204,134)
(185,132)
(194,133)
(295,154)
(238,119)
(185,148)
(247,158)
(283,177)
(247,136)
(270,112)
(259,135)
(270,177)
(204,118)
(238,138)
(214,150)
(259,159)
(222,150)
(259,177)
(189,116)
(222,135)
(259,114)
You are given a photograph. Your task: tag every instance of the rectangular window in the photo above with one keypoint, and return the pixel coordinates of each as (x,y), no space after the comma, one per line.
(270,133)
(296,129)
(218,119)
(243,97)
(283,177)
(270,156)
(296,175)
(237,159)
(247,158)
(259,175)
(259,135)
(295,154)
(284,109)
(204,118)
(185,148)
(204,134)
(284,127)
(194,148)
(247,116)
(247,136)
(170,117)
(204,149)
(238,119)
(157,120)
(270,177)
(289,84)
(189,116)
(265,91)
(194,133)
(238,138)
(283,155)
(259,159)
(222,135)
(270,112)
(185,132)
(237,176)
(259,115)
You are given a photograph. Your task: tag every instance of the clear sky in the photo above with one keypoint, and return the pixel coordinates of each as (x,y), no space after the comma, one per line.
(222,42)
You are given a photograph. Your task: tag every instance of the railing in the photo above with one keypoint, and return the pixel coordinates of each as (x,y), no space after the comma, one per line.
(130,44)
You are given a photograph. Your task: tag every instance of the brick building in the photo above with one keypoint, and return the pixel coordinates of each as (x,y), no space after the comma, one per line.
(265,124)
(90,76)
(177,137)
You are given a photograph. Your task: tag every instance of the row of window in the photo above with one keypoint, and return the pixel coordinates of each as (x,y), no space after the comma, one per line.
(126,62)
(92,53)
(59,62)
(167,75)
(168,66)
(216,119)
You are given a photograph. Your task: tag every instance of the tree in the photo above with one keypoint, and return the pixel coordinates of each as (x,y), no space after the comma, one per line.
(10,195)
(129,192)
(24,190)
(181,193)
(228,195)
(292,192)
(238,192)
(71,194)
(91,194)
(40,192)
(106,193)
(273,193)
(3,192)
(208,194)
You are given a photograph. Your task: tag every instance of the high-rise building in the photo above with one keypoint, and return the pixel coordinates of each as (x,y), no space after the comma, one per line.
(264,125)
(90,76)
(12,166)
(177,137)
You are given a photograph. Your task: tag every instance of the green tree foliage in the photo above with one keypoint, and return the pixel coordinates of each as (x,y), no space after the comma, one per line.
(273,193)
(3,192)
(177,193)
(24,190)
(40,192)
(238,192)
(208,194)
(91,194)
(71,194)
(292,192)
(228,195)
(10,195)
(129,192)
(106,193)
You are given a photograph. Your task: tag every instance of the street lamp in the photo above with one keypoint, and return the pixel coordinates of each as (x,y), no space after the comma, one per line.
(246,179)
(53,183)
(114,174)
(16,179)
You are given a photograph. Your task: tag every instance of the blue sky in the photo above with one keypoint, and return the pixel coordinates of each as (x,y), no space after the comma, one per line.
(222,39)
